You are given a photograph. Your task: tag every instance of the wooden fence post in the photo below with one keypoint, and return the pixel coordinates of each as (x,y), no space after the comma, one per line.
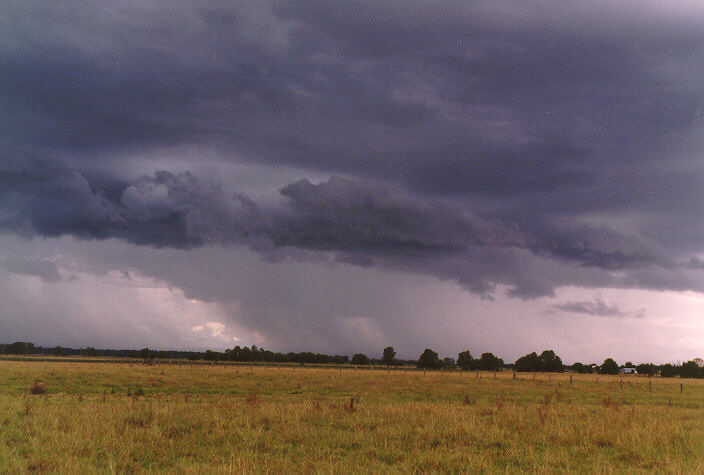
(681,388)
(570,379)
(650,386)
(514,374)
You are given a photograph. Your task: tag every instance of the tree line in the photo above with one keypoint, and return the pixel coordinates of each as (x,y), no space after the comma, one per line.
(546,361)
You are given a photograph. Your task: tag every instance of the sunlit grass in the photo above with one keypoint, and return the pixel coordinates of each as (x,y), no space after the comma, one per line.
(205,418)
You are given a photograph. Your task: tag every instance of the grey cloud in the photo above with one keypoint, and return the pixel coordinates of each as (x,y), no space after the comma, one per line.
(596,308)
(42,268)
(486,143)
(364,222)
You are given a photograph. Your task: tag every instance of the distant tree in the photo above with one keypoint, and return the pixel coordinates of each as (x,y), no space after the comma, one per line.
(360,359)
(647,368)
(211,355)
(145,353)
(429,360)
(579,368)
(389,356)
(90,351)
(448,362)
(527,363)
(58,351)
(465,360)
(690,369)
(550,362)
(19,348)
(668,371)
(490,362)
(609,366)
(340,359)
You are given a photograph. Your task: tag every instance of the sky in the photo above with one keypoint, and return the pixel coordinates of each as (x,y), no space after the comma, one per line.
(338,177)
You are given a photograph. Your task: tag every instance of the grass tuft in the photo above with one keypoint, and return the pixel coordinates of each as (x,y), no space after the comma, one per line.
(37,388)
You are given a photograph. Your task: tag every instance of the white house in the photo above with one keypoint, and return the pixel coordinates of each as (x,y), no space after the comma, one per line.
(627,371)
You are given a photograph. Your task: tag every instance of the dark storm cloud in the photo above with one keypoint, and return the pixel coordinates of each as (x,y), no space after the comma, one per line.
(597,308)
(482,138)
(363,222)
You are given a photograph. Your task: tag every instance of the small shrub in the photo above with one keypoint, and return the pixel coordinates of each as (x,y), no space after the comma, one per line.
(469,399)
(610,403)
(499,402)
(543,414)
(252,399)
(349,405)
(37,388)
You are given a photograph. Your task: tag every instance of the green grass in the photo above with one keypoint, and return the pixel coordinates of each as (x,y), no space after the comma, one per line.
(196,419)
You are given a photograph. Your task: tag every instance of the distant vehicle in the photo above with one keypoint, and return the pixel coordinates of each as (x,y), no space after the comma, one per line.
(627,371)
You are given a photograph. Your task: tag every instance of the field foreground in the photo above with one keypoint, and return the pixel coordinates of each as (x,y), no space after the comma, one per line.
(205,418)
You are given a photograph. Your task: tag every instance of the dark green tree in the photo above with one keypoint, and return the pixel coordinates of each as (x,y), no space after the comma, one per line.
(647,368)
(465,360)
(145,353)
(527,363)
(550,362)
(58,351)
(449,362)
(668,371)
(609,366)
(490,362)
(690,369)
(389,356)
(429,360)
(579,368)
(19,348)
(360,359)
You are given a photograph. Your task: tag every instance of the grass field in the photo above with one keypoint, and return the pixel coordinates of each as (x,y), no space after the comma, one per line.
(207,419)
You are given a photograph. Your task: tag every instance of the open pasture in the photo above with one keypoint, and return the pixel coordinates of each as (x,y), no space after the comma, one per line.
(133,418)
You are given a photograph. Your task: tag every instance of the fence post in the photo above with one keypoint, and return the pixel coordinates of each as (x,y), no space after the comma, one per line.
(681,387)
(494,374)
(570,379)
(549,378)
(597,380)
(621,384)
(650,386)
(514,374)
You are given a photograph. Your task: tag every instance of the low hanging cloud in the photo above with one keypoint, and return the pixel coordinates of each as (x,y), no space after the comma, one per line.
(596,308)
(363,222)
(42,268)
